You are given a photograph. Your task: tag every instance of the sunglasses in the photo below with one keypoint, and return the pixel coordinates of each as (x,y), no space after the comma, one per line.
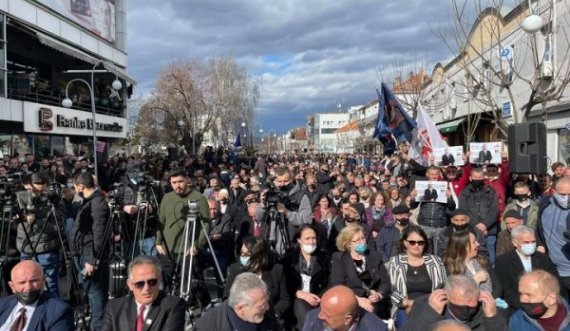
(414,242)
(140,284)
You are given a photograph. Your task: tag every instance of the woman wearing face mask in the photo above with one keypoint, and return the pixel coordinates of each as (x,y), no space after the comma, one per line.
(307,272)
(413,273)
(257,257)
(361,269)
(463,258)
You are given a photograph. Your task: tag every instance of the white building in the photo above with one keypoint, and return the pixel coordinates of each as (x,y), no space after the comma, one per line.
(324,135)
(43,43)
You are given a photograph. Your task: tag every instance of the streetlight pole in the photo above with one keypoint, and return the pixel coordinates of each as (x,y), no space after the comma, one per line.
(67,103)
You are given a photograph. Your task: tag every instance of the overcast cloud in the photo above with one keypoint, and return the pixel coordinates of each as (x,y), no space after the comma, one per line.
(310,54)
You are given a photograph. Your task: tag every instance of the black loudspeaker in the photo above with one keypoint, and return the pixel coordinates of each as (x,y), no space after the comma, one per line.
(173,153)
(527,148)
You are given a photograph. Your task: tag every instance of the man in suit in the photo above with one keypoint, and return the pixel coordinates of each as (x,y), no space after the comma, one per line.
(29,308)
(247,308)
(339,311)
(447,158)
(148,308)
(237,193)
(485,156)
(430,194)
(524,258)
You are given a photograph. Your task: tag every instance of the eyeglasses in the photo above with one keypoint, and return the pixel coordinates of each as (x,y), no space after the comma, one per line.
(416,242)
(140,284)
(244,254)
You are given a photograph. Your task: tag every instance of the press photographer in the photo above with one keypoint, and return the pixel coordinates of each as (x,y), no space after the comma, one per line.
(287,207)
(37,233)
(173,214)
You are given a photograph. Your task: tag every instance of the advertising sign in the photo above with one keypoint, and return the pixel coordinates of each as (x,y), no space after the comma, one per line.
(485,153)
(56,120)
(431,191)
(97,16)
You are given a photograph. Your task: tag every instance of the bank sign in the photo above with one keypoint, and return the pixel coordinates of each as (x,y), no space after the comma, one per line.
(57,120)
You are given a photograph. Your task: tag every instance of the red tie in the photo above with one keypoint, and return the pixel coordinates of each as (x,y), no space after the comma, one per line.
(256,228)
(140,318)
(20,322)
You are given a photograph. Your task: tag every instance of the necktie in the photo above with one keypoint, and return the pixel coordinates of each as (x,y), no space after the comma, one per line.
(140,318)
(20,322)
(256,228)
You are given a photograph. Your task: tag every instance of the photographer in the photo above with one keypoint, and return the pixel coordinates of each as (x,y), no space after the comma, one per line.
(37,235)
(292,203)
(88,244)
(172,219)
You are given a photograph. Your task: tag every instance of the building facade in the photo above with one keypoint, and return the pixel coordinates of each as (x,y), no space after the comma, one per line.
(45,45)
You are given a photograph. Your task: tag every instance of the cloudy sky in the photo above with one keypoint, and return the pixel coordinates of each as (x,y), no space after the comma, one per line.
(310,54)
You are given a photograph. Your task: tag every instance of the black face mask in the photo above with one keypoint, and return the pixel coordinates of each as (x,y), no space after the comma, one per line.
(460,227)
(27,298)
(463,313)
(477,183)
(403,222)
(534,310)
(286,188)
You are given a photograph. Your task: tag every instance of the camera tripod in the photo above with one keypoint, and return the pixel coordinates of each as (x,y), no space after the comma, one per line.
(279,233)
(6,227)
(116,225)
(185,259)
(144,201)
(82,310)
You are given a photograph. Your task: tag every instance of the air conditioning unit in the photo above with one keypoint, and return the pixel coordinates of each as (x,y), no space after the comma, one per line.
(546,69)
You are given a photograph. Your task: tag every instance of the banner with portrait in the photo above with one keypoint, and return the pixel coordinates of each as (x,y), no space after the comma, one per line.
(97,16)
(431,191)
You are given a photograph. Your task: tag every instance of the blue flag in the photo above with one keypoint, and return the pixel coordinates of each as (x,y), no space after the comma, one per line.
(393,122)
(237,143)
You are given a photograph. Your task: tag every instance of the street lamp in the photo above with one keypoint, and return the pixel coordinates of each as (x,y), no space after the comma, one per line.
(182,125)
(532,23)
(67,103)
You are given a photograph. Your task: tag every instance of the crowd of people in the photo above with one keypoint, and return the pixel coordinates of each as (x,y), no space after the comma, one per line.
(296,242)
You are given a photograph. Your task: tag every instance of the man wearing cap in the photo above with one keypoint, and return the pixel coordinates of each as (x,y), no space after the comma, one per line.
(511,219)
(459,221)
(389,238)
(521,259)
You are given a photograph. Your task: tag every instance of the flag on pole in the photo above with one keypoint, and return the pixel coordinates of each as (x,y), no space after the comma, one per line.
(237,143)
(393,122)
(426,139)
(100,146)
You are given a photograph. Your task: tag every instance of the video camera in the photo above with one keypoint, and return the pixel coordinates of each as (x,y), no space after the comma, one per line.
(274,195)
(9,185)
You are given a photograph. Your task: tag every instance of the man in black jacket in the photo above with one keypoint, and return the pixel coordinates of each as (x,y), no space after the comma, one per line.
(247,308)
(460,300)
(88,244)
(481,203)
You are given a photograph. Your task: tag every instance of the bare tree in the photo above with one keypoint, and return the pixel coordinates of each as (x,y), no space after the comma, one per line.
(490,75)
(191,100)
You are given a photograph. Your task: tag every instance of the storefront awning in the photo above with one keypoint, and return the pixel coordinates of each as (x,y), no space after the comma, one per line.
(64,48)
(450,126)
(81,55)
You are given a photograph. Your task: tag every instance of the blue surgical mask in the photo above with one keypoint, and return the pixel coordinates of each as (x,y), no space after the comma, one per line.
(244,260)
(562,200)
(528,249)
(360,248)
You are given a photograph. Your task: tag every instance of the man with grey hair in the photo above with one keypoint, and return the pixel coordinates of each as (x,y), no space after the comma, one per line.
(524,258)
(148,307)
(247,308)
(459,300)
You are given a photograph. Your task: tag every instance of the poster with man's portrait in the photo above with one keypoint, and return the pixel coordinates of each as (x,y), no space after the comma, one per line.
(485,153)
(431,191)
(448,156)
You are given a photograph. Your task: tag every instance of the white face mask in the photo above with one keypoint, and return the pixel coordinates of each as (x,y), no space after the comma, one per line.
(309,249)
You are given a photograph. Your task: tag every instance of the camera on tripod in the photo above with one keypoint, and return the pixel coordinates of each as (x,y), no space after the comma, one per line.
(274,195)
(193,208)
(116,194)
(9,185)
